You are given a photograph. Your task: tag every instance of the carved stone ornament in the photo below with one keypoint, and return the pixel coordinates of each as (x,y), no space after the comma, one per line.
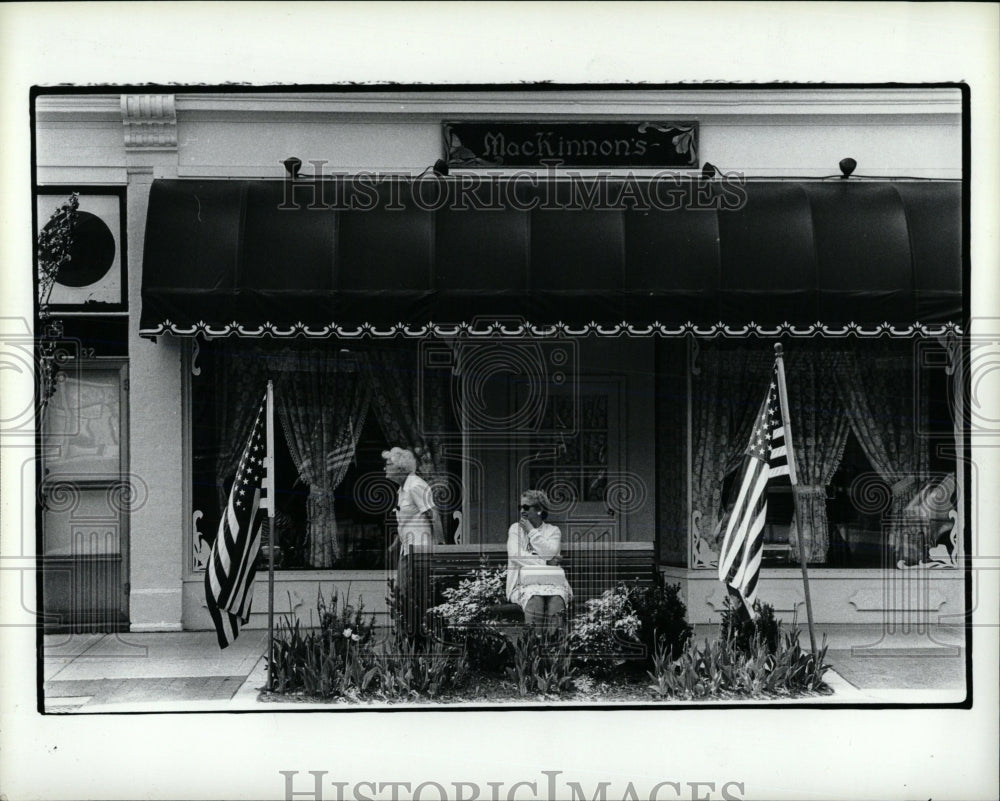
(150,122)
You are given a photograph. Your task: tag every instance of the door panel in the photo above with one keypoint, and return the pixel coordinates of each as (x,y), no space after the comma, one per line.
(84,501)
(578,458)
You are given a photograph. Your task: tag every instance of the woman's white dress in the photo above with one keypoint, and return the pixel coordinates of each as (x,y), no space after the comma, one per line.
(527,572)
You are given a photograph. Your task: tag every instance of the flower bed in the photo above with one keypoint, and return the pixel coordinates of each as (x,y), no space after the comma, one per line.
(629,645)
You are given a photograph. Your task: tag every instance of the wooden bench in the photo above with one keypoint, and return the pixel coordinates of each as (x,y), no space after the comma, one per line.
(591,568)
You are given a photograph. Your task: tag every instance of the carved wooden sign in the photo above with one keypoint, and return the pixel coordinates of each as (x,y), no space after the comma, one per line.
(571,144)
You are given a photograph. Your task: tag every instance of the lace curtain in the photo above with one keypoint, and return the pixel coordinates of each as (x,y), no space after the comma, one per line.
(819,435)
(321,399)
(876,387)
(239,385)
(726,394)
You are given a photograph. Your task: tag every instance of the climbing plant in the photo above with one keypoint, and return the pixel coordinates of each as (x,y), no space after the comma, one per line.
(53,247)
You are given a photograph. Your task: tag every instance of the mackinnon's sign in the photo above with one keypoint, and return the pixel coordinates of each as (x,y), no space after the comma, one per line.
(574,144)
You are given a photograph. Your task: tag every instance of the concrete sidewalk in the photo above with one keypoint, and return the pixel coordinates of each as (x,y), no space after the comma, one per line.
(187,671)
(154,671)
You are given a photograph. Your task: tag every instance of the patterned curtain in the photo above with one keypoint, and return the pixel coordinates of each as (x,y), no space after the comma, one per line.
(321,400)
(409,420)
(819,435)
(876,387)
(240,382)
(725,397)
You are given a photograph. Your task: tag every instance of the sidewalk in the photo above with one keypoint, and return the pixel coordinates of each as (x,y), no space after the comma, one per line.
(152,671)
(186,671)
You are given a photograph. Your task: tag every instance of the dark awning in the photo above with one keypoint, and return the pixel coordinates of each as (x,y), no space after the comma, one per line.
(234,256)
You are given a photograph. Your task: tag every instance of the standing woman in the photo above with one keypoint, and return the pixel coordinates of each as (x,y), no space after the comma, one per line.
(417,524)
(535,581)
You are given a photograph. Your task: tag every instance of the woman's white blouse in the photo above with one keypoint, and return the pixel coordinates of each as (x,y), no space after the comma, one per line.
(534,549)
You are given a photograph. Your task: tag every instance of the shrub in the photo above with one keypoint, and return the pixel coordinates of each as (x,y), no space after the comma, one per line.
(467,618)
(662,618)
(607,632)
(737,626)
(470,602)
(625,624)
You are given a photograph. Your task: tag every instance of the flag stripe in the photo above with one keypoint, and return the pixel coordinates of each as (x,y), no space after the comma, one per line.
(746,480)
(766,458)
(753,471)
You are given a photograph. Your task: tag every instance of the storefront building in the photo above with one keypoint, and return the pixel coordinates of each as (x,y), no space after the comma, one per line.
(602,328)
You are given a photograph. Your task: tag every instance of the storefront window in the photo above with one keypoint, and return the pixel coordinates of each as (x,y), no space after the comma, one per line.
(874,490)
(336,410)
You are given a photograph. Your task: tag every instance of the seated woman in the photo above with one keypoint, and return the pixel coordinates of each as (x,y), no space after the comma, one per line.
(534,579)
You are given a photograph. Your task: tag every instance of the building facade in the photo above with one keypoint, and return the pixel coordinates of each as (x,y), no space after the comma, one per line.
(601,330)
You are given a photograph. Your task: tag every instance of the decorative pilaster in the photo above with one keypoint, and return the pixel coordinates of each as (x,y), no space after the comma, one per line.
(150,122)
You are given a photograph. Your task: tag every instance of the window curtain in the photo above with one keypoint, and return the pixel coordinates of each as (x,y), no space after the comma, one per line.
(726,389)
(819,435)
(876,387)
(240,383)
(321,399)
(406,419)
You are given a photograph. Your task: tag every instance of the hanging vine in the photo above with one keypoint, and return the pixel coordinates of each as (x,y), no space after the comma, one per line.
(54,243)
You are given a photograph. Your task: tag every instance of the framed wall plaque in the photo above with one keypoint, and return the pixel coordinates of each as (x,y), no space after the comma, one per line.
(95,277)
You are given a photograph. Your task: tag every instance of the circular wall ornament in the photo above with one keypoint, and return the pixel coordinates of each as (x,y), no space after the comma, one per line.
(91,255)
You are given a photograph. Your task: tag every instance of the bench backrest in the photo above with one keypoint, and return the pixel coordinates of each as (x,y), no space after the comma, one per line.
(591,568)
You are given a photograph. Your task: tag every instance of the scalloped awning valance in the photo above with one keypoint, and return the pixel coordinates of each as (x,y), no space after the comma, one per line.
(254,257)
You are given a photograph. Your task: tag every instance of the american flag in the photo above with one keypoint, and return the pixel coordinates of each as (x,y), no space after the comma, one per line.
(766,459)
(231,565)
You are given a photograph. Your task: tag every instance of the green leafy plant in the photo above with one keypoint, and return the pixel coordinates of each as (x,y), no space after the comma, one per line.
(662,618)
(607,632)
(341,658)
(468,617)
(473,598)
(732,666)
(326,660)
(53,246)
(738,627)
(401,669)
(624,626)
(541,665)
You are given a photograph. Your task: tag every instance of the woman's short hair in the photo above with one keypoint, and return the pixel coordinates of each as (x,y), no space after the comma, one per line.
(402,458)
(537,498)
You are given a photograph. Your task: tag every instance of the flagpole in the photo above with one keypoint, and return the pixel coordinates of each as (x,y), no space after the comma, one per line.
(787,420)
(272,529)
